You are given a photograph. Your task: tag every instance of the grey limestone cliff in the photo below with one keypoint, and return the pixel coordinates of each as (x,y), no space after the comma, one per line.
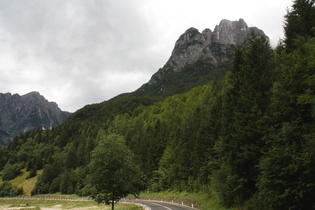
(215,46)
(19,114)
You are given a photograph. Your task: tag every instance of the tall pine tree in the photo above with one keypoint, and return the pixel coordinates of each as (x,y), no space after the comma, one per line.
(287,168)
(245,100)
(299,22)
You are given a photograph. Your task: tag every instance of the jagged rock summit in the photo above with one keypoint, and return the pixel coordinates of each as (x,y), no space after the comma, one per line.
(193,45)
(19,114)
(215,47)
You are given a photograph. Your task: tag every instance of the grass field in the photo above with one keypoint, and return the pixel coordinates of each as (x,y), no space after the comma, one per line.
(26,184)
(29,204)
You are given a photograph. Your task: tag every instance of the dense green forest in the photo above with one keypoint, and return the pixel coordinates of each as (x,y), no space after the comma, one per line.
(248,139)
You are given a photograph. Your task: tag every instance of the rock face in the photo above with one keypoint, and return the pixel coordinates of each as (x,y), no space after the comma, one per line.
(19,114)
(215,47)
(193,45)
(230,32)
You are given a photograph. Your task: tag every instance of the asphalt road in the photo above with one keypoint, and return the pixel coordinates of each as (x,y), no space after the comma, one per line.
(157,205)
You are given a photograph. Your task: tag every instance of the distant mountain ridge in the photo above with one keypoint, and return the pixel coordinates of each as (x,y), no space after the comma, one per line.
(197,56)
(19,114)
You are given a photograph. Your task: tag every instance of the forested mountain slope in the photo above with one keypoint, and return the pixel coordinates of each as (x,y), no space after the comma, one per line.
(197,58)
(248,139)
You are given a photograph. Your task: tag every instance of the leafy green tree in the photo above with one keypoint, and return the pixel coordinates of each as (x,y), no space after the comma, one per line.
(48,181)
(4,156)
(114,174)
(11,171)
(6,189)
(32,173)
(35,161)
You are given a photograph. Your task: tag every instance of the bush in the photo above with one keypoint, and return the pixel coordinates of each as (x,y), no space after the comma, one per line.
(6,189)
(32,174)
(11,171)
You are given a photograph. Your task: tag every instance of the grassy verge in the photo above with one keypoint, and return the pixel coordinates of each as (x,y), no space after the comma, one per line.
(27,204)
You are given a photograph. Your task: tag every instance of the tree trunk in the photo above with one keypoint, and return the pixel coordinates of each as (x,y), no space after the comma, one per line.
(113,204)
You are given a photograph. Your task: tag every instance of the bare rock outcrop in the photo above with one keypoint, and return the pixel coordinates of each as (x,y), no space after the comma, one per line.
(19,114)
(193,45)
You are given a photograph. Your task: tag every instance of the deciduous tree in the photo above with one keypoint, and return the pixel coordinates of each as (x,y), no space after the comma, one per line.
(114,174)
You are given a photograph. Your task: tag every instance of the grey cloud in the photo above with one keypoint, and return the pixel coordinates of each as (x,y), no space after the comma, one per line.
(77,52)
(72,43)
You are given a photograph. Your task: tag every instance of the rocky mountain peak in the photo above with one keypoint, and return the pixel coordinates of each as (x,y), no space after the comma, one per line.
(34,95)
(188,48)
(189,35)
(19,114)
(213,47)
(193,45)
(34,98)
(231,32)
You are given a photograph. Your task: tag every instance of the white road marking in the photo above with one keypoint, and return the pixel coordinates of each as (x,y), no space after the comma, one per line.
(162,206)
(145,206)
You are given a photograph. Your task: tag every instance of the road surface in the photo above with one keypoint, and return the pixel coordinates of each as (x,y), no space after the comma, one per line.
(157,205)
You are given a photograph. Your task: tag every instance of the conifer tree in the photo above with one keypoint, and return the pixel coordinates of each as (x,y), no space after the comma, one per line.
(287,167)
(245,100)
(299,22)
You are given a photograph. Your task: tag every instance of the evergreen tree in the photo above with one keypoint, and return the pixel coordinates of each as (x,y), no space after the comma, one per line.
(287,167)
(245,100)
(299,22)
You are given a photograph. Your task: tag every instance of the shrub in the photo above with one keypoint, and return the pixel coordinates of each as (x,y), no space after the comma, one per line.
(11,171)
(6,189)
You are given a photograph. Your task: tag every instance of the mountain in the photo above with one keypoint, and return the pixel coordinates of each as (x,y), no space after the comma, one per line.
(199,57)
(196,59)
(248,140)
(19,114)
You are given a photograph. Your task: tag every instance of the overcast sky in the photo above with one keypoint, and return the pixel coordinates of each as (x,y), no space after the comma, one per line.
(79,52)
